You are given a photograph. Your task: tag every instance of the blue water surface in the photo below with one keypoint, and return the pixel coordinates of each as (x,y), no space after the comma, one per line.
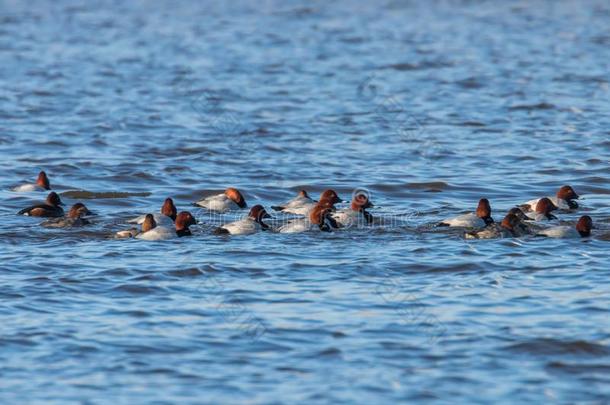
(428,105)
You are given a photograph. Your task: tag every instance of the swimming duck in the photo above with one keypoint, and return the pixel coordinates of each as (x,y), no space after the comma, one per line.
(356,215)
(479,219)
(564,200)
(42,184)
(50,208)
(230,200)
(75,218)
(249,225)
(581,230)
(544,207)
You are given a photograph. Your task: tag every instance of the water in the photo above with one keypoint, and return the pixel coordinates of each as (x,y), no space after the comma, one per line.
(429,106)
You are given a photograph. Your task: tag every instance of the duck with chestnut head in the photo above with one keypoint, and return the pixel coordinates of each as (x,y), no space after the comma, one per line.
(231,200)
(42,184)
(478,219)
(564,199)
(543,211)
(253,223)
(50,208)
(582,229)
(77,216)
(356,215)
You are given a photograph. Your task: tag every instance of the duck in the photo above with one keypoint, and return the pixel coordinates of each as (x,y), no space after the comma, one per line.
(581,230)
(42,184)
(564,200)
(151,231)
(166,217)
(510,227)
(76,217)
(356,215)
(305,207)
(230,200)
(50,208)
(296,204)
(544,207)
(320,218)
(479,219)
(247,226)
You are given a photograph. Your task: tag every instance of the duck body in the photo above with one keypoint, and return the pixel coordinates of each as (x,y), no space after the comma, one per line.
(470,220)
(27,188)
(560,232)
(349,218)
(302,204)
(230,200)
(50,208)
(42,210)
(158,233)
(246,226)
(298,225)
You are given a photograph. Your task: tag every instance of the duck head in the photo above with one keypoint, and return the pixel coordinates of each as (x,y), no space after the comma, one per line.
(484,211)
(169,209)
(568,194)
(235,196)
(43,181)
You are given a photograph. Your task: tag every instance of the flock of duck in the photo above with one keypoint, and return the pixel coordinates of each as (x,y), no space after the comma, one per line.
(530,218)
